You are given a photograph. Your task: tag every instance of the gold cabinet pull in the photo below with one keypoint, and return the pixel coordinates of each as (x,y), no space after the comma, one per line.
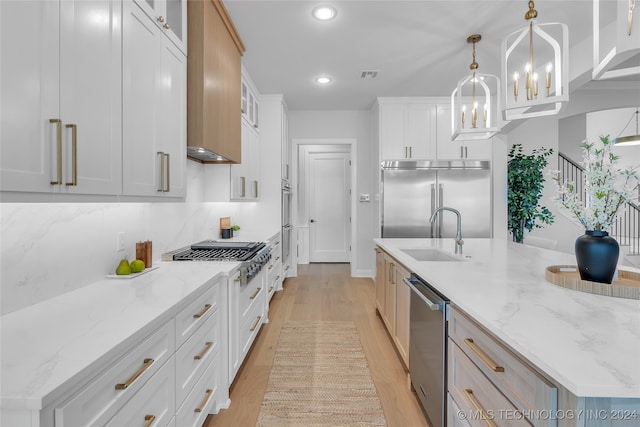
(149,420)
(277,278)
(167,26)
(255,188)
(74,155)
(256,293)
(206,349)
(255,325)
(204,401)
(242,186)
(201,313)
(270,289)
(123,386)
(162,159)
(58,123)
(166,155)
(485,416)
(481,354)
(161,18)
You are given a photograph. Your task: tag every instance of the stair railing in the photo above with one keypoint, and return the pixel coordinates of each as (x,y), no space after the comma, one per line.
(626,228)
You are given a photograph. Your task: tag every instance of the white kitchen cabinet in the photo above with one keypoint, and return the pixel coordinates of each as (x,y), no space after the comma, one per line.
(407,130)
(154,109)
(249,101)
(446,149)
(170,16)
(274,267)
(61,96)
(245,177)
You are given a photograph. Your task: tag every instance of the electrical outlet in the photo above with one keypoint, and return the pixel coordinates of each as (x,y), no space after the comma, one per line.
(120,241)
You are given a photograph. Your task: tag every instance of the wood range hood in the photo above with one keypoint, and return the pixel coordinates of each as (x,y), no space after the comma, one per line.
(213,84)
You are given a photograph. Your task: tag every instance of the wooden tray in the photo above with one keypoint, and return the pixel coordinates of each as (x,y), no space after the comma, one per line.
(627,285)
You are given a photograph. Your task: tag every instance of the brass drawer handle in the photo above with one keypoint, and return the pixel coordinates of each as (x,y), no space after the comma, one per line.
(206,349)
(167,156)
(147,363)
(162,168)
(149,420)
(270,289)
(277,259)
(58,123)
(205,401)
(255,325)
(204,310)
(485,416)
(270,267)
(74,155)
(486,359)
(277,278)
(256,294)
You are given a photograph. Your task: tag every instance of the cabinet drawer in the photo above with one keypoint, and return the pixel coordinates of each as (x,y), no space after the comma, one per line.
(251,324)
(202,400)
(250,293)
(481,402)
(153,405)
(98,402)
(196,354)
(196,313)
(455,416)
(518,381)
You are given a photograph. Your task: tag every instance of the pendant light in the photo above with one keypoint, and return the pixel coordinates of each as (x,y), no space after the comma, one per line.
(614,43)
(474,110)
(631,139)
(535,68)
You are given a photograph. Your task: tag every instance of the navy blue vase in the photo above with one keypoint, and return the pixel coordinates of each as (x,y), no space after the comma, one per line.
(597,256)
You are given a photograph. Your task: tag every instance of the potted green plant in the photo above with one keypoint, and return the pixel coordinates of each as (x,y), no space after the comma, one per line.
(525,183)
(236,230)
(606,188)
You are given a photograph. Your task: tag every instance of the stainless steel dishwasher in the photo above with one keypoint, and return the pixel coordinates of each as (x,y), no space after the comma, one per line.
(428,348)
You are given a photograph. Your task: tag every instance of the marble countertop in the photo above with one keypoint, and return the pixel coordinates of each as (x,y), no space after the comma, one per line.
(589,344)
(47,347)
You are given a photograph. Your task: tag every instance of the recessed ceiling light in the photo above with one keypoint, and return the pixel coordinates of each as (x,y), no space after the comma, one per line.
(323,80)
(324,13)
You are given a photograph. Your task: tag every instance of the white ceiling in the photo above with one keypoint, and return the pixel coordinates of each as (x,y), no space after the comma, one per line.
(419,47)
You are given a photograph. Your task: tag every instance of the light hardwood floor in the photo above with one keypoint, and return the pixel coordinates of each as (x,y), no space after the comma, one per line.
(324,292)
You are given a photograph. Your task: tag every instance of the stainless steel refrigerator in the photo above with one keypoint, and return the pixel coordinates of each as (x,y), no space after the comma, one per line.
(412,190)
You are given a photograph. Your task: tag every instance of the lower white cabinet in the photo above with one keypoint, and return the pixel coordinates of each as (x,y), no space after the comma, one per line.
(203,398)
(175,376)
(154,405)
(97,402)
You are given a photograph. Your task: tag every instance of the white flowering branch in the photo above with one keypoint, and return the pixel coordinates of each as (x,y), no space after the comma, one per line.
(607,187)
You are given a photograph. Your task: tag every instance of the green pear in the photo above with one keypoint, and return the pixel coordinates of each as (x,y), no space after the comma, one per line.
(123,268)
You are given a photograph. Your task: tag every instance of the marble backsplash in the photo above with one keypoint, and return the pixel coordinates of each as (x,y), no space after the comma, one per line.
(48,249)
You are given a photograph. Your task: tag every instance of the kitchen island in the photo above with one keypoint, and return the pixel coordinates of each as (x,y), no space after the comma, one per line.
(588,346)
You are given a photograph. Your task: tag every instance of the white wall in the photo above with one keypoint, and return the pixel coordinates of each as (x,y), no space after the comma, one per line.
(48,249)
(347,125)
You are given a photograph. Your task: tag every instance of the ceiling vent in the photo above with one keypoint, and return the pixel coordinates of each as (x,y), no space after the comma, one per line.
(369,74)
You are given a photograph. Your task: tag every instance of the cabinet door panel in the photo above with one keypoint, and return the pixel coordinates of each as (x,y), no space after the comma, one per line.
(420,133)
(403,303)
(141,60)
(29,72)
(171,124)
(446,148)
(90,98)
(392,132)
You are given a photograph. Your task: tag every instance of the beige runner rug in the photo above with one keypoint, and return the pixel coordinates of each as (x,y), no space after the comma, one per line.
(320,377)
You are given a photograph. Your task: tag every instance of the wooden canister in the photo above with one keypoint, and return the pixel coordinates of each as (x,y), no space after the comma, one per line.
(141,252)
(149,257)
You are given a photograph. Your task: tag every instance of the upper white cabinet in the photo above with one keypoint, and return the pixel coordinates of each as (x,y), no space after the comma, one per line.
(61,100)
(407,130)
(171,17)
(456,150)
(249,102)
(245,177)
(154,109)
(420,129)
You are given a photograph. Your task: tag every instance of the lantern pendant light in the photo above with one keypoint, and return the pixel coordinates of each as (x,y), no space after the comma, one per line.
(533,51)
(475,103)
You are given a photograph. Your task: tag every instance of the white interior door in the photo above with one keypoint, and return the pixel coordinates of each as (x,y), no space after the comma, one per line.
(329,210)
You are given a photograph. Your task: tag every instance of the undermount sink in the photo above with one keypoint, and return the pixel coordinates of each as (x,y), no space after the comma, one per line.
(431,255)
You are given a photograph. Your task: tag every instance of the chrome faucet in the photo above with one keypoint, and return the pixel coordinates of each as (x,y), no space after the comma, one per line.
(459,241)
